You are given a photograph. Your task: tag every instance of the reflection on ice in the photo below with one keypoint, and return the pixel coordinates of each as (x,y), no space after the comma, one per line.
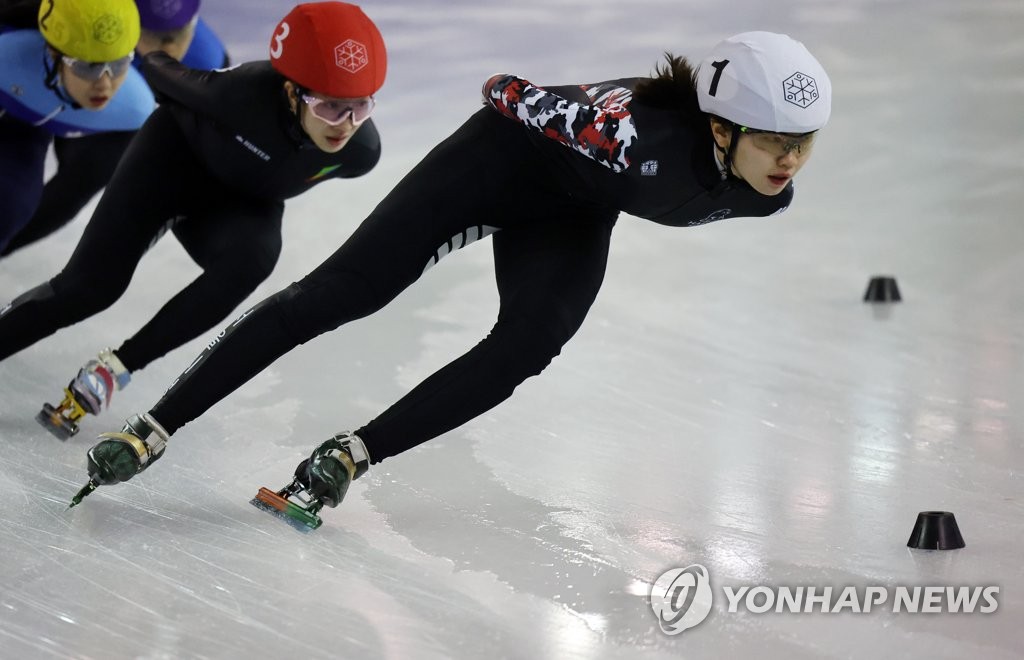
(730,401)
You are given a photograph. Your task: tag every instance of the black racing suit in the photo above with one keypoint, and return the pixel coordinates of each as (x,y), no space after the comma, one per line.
(555,209)
(216,160)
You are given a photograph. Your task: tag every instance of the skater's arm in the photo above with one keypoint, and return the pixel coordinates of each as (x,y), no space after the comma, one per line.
(603,133)
(171,81)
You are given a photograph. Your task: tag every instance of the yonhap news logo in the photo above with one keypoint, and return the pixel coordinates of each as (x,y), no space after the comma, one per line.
(831,600)
(682,598)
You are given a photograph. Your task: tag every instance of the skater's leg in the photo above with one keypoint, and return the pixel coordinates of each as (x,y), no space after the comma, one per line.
(22,163)
(148,187)
(84,165)
(445,196)
(368,271)
(237,243)
(548,276)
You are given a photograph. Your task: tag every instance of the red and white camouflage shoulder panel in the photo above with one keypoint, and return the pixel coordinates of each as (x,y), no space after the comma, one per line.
(603,130)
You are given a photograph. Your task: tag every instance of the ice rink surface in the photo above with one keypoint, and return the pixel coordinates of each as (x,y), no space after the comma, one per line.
(730,401)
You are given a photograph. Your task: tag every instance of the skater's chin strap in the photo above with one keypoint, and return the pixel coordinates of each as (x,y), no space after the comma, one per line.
(52,80)
(724,162)
(293,124)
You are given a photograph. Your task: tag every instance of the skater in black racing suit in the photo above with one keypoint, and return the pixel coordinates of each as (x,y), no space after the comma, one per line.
(547,172)
(216,161)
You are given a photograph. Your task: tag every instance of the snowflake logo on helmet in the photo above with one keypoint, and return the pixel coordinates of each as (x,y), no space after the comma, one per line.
(107,29)
(351,56)
(165,8)
(800,89)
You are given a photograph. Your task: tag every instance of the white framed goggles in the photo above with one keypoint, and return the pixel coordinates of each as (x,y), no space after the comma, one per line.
(336,111)
(93,71)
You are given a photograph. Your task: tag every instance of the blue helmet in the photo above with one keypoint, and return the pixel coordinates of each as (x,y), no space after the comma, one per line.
(166,15)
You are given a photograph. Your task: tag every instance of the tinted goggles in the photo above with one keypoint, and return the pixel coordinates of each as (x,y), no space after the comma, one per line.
(336,111)
(780,144)
(93,71)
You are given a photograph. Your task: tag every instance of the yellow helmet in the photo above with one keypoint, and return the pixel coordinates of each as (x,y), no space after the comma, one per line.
(90,30)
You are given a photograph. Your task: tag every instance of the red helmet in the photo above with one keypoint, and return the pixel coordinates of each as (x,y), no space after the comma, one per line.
(330,47)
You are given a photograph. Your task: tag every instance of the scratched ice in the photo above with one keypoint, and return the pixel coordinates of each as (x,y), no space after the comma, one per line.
(730,401)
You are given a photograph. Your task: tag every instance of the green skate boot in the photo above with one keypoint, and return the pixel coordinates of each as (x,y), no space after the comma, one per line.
(87,393)
(121,456)
(320,480)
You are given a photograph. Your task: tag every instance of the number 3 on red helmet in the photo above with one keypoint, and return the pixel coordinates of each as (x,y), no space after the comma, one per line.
(330,47)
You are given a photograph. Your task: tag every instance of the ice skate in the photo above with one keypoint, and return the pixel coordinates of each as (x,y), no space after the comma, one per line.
(88,393)
(120,456)
(320,480)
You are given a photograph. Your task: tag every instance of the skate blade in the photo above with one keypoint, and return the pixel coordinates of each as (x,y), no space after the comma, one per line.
(51,419)
(293,514)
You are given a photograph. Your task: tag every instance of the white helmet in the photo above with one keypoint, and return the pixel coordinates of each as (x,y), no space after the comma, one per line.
(765,81)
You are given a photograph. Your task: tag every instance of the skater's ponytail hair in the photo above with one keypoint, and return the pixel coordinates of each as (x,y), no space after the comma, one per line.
(673,86)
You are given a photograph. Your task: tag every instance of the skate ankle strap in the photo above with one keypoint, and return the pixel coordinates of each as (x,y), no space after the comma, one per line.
(116,367)
(158,441)
(357,450)
(149,431)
